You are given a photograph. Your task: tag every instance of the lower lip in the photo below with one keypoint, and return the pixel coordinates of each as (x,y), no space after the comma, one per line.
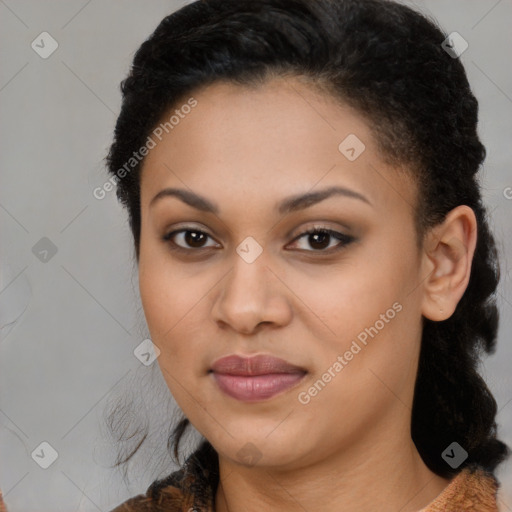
(256,387)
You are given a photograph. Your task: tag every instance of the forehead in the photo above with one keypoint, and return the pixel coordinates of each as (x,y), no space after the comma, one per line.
(266,142)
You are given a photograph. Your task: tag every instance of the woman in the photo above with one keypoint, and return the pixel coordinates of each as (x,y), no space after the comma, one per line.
(315,265)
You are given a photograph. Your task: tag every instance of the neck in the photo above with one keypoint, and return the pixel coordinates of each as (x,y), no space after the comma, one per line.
(383,471)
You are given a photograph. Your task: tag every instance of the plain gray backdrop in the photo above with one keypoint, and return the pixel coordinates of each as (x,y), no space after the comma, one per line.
(69,308)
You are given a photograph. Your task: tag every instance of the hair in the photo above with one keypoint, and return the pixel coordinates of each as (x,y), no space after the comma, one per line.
(386,61)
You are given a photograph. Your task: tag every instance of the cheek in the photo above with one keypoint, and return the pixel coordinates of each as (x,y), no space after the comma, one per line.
(176,302)
(166,290)
(340,301)
(364,310)
(168,301)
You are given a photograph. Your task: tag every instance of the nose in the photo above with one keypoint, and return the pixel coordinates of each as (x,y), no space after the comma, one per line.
(250,295)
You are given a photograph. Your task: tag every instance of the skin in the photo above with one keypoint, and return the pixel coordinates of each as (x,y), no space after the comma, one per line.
(246,149)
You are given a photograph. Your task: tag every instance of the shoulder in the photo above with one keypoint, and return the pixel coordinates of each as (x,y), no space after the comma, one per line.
(190,488)
(158,498)
(473,490)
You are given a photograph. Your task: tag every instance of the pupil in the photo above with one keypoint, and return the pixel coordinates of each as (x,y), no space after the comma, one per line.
(192,237)
(324,237)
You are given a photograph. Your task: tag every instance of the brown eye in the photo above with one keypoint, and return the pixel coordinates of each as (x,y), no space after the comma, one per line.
(319,239)
(188,238)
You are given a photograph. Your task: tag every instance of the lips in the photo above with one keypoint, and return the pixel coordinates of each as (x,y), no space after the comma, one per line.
(255,365)
(255,378)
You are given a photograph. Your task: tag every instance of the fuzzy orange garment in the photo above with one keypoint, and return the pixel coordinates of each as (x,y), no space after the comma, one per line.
(472,490)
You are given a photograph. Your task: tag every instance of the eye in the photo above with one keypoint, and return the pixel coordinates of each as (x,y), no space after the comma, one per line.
(320,238)
(191,238)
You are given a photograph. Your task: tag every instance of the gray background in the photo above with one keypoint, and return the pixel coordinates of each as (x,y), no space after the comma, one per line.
(69,324)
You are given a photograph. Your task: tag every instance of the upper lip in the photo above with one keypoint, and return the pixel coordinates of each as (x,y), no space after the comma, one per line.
(254,365)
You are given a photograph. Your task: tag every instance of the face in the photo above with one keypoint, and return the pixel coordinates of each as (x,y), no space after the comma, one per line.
(227,268)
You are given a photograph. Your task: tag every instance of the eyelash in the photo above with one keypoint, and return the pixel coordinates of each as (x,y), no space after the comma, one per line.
(344,239)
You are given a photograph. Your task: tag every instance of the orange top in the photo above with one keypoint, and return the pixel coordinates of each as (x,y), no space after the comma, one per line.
(472,490)
(469,491)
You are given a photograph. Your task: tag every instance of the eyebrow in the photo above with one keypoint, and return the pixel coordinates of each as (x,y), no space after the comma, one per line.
(288,205)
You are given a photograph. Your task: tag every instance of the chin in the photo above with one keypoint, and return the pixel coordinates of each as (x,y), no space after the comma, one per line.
(258,448)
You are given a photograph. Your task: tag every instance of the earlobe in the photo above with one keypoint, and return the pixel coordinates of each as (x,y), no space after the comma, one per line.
(448,253)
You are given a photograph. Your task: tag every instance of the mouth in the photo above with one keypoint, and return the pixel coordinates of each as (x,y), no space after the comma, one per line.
(256,378)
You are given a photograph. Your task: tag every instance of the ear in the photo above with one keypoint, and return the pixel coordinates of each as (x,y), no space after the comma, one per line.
(448,251)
